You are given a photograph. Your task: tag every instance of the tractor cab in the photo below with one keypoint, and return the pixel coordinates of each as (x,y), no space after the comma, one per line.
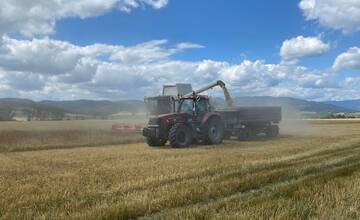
(195,107)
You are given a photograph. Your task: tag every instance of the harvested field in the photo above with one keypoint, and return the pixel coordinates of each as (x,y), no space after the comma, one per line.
(311,171)
(37,135)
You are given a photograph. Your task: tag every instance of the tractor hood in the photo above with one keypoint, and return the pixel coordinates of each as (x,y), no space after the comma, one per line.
(168,118)
(173,116)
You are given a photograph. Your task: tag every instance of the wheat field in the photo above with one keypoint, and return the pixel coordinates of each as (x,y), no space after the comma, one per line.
(311,171)
(40,135)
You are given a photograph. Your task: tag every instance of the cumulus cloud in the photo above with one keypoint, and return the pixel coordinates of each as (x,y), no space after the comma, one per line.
(352,82)
(40,16)
(254,74)
(45,56)
(299,47)
(348,60)
(337,14)
(314,79)
(94,66)
(53,57)
(52,69)
(22,81)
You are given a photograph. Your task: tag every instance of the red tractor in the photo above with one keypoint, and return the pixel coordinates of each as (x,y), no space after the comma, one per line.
(194,121)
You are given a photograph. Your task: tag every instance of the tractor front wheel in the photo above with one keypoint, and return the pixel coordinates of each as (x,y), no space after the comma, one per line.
(180,135)
(156,142)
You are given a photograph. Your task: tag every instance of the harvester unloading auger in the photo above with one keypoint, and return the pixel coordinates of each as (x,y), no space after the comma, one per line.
(190,118)
(221,84)
(169,101)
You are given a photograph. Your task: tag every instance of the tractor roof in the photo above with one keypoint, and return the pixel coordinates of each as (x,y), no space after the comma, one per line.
(191,97)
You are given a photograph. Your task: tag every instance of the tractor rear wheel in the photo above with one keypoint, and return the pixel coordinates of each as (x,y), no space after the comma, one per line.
(156,142)
(180,135)
(215,128)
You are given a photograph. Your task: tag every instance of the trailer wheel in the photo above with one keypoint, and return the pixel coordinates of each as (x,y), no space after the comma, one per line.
(272,131)
(180,136)
(246,134)
(227,135)
(215,128)
(156,142)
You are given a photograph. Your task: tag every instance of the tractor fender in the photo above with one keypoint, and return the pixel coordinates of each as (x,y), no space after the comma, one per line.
(209,116)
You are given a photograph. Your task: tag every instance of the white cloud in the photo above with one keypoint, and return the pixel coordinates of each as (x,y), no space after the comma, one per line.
(45,56)
(348,60)
(352,82)
(52,57)
(99,67)
(296,48)
(148,52)
(51,69)
(313,79)
(337,14)
(128,5)
(22,81)
(40,16)
(188,45)
(255,74)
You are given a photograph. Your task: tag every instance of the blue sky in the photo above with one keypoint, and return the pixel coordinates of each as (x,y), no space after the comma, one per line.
(94,49)
(252,29)
(256,28)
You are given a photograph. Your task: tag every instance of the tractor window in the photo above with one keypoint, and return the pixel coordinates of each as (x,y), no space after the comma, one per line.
(187,106)
(201,106)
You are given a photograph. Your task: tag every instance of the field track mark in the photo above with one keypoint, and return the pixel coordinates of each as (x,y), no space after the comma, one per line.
(336,169)
(283,173)
(46,148)
(318,158)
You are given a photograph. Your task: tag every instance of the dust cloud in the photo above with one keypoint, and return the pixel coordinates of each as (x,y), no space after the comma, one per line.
(292,123)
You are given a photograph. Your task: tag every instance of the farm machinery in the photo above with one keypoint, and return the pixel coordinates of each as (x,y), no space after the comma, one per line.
(188,118)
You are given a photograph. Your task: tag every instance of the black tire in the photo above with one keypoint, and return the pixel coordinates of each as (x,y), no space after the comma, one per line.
(215,131)
(156,142)
(272,131)
(246,134)
(180,135)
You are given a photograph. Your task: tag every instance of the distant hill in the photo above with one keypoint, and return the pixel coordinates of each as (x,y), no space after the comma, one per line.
(351,104)
(28,109)
(98,108)
(292,107)
(47,110)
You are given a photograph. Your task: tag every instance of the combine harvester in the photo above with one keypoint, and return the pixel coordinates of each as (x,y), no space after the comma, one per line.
(186,118)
